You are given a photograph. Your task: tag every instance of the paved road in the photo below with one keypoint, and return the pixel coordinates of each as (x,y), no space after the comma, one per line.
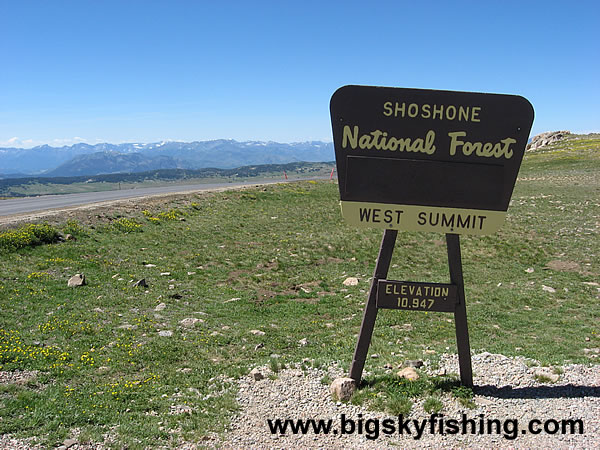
(45,202)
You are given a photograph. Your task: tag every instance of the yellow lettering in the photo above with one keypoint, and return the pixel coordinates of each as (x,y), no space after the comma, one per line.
(507,150)
(426,114)
(364,142)
(393,144)
(379,140)
(387,109)
(482,149)
(348,136)
(429,139)
(450,112)
(413,110)
(455,142)
(463,113)
(398,109)
(428,111)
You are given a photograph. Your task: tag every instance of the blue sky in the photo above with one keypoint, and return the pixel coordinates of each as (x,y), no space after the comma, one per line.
(145,71)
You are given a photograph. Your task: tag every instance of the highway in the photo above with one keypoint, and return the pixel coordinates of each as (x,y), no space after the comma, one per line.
(16,206)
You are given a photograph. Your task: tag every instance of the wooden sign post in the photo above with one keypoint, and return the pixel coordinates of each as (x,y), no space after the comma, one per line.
(424,160)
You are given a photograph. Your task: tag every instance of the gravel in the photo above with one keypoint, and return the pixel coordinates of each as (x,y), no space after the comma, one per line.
(506,388)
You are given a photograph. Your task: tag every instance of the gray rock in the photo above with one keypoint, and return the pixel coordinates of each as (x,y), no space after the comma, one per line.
(190,322)
(165,333)
(415,363)
(409,373)
(160,307)
(257,332)
(76,280)
(350,281)
(547,138)
(342,388)
(68,443)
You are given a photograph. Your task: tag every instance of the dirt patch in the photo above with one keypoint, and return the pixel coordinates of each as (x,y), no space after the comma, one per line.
(563,266)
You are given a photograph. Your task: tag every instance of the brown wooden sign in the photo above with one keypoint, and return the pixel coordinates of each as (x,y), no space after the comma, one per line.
(413,296)
(425,160)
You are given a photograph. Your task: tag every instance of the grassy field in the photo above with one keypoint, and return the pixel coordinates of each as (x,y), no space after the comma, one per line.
(112,359)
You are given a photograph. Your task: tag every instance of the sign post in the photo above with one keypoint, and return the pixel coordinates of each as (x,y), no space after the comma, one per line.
(424,160)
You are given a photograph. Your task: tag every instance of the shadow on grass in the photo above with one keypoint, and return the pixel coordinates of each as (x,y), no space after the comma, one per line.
(562,391)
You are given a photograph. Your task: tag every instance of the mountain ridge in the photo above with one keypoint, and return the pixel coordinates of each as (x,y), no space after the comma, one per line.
(88,159)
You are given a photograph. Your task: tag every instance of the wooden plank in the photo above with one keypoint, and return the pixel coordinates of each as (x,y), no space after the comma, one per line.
(460,315)
(370,312)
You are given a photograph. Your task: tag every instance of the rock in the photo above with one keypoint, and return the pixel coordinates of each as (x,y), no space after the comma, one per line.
(375,355)
(481,401)
(350,281)
(303,342)
(547,138)
(165,274)
(190,322)
(140,283)
(342,388)
(256,375)
(409,373)
(149,265)
(68,443)
(548,289)
(257,332)
(70,237)
(258,346)
(76,280)
(529,270)
(160,307)
(415,363)
(165,333)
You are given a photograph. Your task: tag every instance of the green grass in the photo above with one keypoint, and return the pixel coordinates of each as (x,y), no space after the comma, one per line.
(395,395)
(274,259)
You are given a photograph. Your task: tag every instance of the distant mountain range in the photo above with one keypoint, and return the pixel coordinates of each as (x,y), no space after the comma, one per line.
(85,159)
